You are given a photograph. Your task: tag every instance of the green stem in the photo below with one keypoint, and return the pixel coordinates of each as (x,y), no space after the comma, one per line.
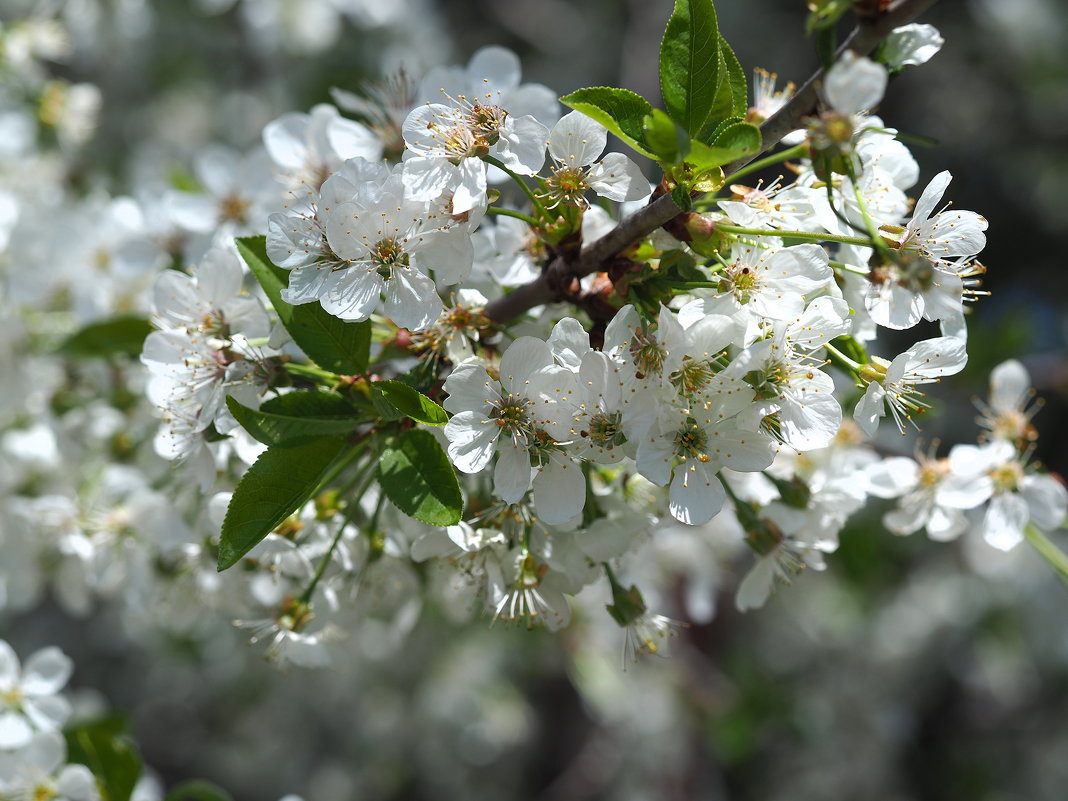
(1050,552)
(340,465)
(847,268)
(538,208)
(840,358)
(510,213)
(797,151)
(311,371)
(873,229)
(367,473)
(809,236)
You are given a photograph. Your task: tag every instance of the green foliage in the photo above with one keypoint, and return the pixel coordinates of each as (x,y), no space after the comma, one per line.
(330,342)
(619,110)
(103,747)
(296,418)
(732,98)
(732,142)
(196,790)
(690,63)
(665,138)
(119,336)
(411,403)
(273,488)
(416,476)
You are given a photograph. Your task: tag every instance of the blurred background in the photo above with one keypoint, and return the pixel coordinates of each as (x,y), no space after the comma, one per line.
(909,670)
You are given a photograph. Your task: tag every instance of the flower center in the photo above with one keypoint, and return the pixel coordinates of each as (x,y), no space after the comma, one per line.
(933,471)
(386,254)
(234,208)
(568,185)
(742,282)
(1007,477)
(690,442)
(511,416)
(692,377)
(648,354)
(605,430)
(486,122)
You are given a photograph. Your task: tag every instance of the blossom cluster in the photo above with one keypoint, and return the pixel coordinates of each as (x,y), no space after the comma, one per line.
(710,377)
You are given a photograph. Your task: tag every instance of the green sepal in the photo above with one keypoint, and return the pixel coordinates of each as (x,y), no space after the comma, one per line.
(793,491)
(681,195)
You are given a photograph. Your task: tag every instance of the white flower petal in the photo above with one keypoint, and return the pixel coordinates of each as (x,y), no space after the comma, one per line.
(511,475)
(855,83)
(696,494)
(618,178)
(1004,521)
(46,672)
(576,140)
(559,491)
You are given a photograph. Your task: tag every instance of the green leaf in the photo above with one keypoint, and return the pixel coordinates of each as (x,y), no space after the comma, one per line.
(123,336)
(196,790)
(411,403)
(103,747)
(665,138)
(273,488)
(296,418)
(330,342)
(690,63)
(619,110)
(735,141)
(714,129)
(415,474)
(732,86)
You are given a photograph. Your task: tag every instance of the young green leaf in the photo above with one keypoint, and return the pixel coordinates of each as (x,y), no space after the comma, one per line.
(619,110)
(732,99)
(285,423)
(272,489)
(411,403)
(735,141)
(330,342)
(665,138)
(123,336)
(690,63)
(103,747)
(415,474)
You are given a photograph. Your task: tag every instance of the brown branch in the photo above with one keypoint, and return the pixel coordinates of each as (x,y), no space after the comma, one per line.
(556,278)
